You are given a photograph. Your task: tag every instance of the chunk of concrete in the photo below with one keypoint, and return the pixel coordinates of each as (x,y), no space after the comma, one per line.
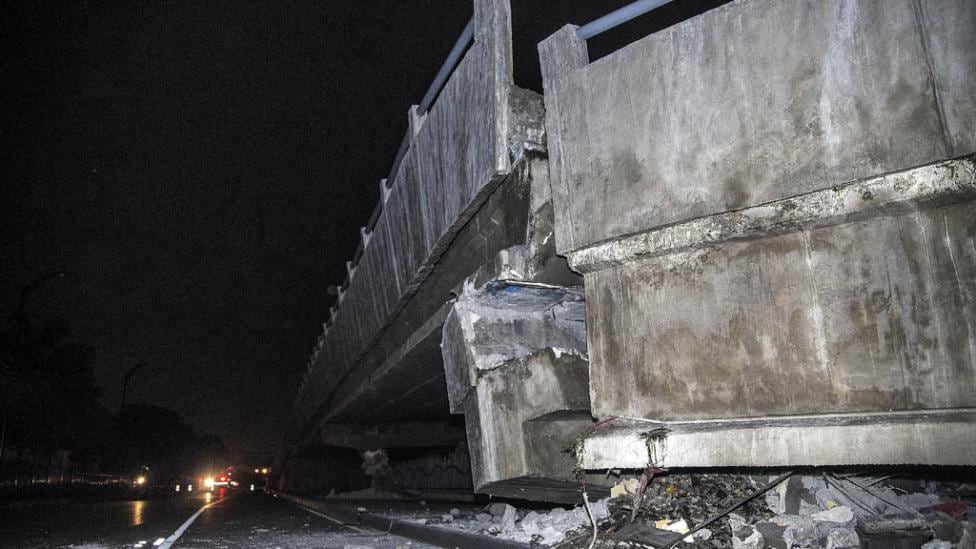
(501,321)
(773,535)
(798,530)
(744,535)
(842,538)
(498,509)
(840,514)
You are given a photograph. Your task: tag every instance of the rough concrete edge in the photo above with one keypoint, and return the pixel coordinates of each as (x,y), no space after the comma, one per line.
(433,323)
(933,185)
(526,131)
(638,444)
(468,300)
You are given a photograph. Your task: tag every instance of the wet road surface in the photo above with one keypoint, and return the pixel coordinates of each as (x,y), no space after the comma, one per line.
(233,519)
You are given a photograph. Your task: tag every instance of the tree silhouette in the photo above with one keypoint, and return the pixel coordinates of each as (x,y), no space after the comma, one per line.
(49,399)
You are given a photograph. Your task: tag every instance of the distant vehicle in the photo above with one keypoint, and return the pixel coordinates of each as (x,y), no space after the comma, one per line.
(217,481)
(181,484)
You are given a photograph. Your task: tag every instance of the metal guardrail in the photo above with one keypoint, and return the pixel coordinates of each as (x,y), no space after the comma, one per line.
(618,17)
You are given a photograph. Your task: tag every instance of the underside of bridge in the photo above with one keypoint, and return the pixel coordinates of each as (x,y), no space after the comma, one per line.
(746,240)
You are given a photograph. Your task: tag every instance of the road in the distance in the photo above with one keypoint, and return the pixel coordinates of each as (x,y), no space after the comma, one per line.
(239,520)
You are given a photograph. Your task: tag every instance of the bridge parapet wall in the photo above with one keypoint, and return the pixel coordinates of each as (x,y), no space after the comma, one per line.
(755,101)
(459,152)
(773,208)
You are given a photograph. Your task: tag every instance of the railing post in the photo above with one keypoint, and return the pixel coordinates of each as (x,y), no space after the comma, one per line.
(415,120)
(561,53)
(493,31)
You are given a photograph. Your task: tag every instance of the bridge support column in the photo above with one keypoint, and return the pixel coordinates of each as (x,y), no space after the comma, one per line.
(514,358)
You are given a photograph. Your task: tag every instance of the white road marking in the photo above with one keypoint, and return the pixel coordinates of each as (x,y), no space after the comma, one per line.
(159,542)
(168,542)
(335,520)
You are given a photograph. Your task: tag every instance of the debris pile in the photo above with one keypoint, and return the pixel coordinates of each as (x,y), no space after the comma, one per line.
(736,511)
(527,526)
(754,512)
(674,504)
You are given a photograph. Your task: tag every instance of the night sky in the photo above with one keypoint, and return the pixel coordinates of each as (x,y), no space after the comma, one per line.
(200,171)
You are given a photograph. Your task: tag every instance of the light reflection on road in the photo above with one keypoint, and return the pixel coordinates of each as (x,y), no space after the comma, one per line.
(137,507)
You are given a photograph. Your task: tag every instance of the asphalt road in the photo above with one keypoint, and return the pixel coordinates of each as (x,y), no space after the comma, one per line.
(226,519)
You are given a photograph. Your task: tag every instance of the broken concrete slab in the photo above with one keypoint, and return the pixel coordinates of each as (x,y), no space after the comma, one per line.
(500,414)
(506,320)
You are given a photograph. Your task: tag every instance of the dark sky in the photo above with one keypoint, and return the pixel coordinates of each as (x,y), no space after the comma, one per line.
(200,170)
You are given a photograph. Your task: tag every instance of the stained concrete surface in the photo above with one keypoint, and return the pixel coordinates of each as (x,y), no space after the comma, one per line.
(869,316)
(753,101)
(503,321)
(500,415)
(715,182)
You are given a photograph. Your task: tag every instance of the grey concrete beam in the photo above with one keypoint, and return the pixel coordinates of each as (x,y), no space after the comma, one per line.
(934,437)
(940,184)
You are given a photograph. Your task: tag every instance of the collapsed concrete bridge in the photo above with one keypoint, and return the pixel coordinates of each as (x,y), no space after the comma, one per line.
(746,240)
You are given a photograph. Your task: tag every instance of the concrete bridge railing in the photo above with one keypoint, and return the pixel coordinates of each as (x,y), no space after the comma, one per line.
(772,206)
(458,153)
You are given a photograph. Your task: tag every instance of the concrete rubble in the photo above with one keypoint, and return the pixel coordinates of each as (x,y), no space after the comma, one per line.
(802,512)
(805,511)
(538,527)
